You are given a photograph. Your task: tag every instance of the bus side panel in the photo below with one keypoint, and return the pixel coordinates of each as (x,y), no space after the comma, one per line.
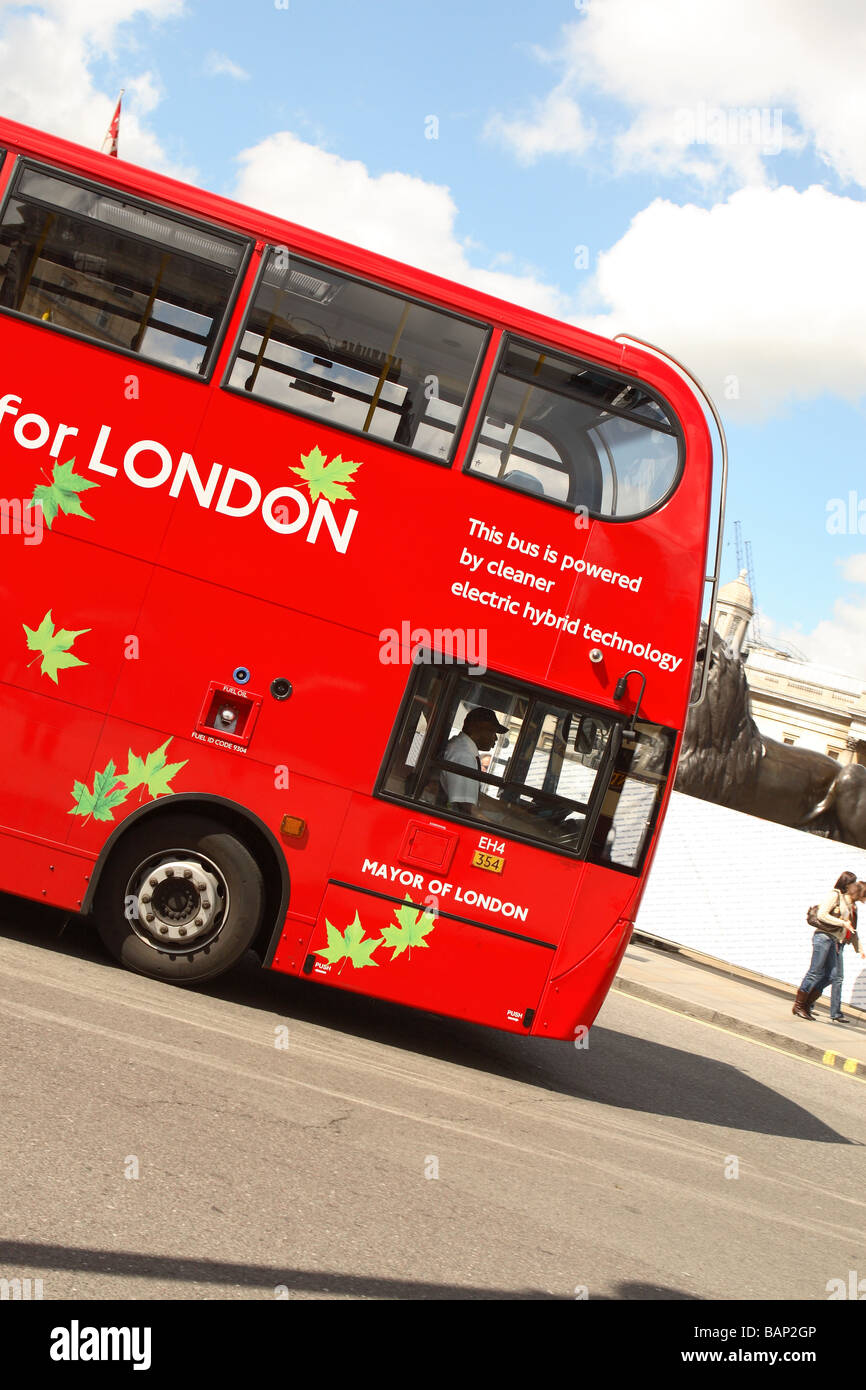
(67,618)
(393,949)
(605,896)
(46,872)
(93,597)
(195,769)
(486,941)
(402,535)
(571,1001)
(117,409)
(334,725)
(533,894)
(48,745)
(642,614)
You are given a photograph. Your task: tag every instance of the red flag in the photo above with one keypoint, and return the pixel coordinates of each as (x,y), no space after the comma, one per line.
(109,144)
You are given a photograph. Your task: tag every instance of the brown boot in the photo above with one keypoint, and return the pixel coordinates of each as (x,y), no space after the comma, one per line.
(811,999)
(801,1006)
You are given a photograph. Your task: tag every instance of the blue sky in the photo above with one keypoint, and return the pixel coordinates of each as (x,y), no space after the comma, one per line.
(710,155)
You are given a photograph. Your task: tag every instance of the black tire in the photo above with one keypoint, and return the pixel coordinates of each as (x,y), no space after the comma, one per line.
(228,863)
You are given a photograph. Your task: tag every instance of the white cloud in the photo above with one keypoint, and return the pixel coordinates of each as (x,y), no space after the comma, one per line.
(396,214)
(761,295)
(46,54)
(97,20)
(839,641)
(219,65)
(556,126)
(755,294)
(672,64)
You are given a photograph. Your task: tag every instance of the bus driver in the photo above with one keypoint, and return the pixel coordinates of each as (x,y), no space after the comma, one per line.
(479,733)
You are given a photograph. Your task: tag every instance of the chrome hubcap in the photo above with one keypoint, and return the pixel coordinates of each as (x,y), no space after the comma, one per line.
(177,900)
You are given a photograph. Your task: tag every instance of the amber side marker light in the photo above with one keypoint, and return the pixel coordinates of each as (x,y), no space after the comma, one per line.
(292,826)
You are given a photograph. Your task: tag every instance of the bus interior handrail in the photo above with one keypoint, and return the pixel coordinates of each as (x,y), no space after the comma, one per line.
(714,577)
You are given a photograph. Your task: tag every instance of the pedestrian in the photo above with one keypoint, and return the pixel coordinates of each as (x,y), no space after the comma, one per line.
(832,920)
(858,892)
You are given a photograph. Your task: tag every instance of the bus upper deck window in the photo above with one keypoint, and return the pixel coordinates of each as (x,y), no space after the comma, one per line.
(557,428)
(126,274)
(357,355)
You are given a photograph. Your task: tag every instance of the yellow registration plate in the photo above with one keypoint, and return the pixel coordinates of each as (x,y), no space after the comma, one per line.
(494,862)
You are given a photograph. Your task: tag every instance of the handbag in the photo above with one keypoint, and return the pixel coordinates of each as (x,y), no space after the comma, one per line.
(815,922)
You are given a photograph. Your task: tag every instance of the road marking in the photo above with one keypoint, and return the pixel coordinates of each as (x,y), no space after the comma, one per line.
(850,1067)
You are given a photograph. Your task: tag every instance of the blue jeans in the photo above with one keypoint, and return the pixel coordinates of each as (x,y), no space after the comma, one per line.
(836,984)
(825,954)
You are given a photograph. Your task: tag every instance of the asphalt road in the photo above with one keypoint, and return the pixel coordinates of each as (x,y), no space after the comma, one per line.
(388,1154)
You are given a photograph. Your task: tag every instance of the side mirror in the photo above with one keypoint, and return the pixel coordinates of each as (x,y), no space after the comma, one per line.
(620,689)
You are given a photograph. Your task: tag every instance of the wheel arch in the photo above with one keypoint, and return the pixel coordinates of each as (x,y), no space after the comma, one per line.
(246,825)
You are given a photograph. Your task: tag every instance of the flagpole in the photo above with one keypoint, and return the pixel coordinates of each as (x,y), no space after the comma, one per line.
(109,144)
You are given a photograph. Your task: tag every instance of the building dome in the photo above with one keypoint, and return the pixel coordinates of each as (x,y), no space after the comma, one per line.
(737,594)
(735,607)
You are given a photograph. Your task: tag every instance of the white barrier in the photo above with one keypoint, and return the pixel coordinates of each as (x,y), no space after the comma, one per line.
(737,888)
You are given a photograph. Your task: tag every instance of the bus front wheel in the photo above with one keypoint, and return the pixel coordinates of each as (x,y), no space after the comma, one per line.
(180,900)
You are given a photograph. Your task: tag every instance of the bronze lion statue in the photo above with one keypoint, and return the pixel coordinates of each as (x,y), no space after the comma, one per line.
(725,758)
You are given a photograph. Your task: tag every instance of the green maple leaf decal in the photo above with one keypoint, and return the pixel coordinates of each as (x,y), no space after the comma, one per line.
(100,802)
(61,494)
(350,944)
(54,646)
(151,771)
(413,924)
(326,479)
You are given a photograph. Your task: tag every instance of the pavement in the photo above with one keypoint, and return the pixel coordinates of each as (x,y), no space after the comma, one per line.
(740,1002)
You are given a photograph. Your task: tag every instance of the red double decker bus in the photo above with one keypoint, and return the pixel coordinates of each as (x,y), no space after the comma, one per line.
(348,615)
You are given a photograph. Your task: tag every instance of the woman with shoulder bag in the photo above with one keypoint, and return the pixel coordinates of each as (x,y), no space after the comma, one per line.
(832,919)
(858,892)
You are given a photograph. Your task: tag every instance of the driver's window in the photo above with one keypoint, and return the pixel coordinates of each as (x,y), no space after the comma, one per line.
(487,751)
(558,764)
